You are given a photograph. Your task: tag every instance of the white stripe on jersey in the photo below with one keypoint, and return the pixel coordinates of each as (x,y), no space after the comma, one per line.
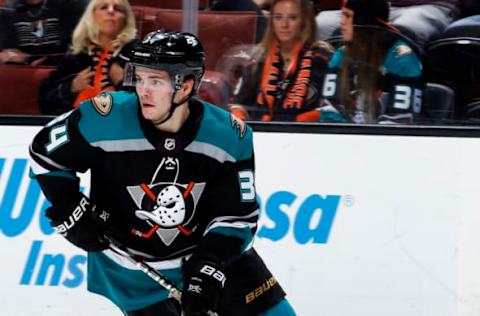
(45,159)
(230,225)
(36,168)
(157,265)
(123,145)
(210,150)
(234,218)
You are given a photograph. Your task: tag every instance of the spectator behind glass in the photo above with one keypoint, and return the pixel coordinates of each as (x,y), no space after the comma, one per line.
(286,74)
(243,5)
(375,77)
(100,47)
(422,20)
(38,31)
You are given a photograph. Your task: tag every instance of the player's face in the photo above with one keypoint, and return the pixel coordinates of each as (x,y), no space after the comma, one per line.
(110,18)
(346,24)
(287,21)
(155,90)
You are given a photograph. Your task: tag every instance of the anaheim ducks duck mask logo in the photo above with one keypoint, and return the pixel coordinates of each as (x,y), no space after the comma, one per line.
(167,207)
(103,103)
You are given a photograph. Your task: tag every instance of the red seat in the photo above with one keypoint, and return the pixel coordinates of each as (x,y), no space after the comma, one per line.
(215,89)
(139,16)
(19,90)
(168,4)
(235,64)
(218,30)
(147,11)
(145,19)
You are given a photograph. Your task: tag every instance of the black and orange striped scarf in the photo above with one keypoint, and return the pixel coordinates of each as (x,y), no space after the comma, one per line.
(101,80)
(291,86)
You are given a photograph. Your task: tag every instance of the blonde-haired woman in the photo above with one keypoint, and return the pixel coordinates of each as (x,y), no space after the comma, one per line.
(288,69)
(100,46)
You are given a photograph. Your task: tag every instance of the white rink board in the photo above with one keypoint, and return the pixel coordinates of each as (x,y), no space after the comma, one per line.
(393,223)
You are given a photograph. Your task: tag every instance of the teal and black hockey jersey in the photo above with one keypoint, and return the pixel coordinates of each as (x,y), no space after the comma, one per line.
(400,88)
(165,192)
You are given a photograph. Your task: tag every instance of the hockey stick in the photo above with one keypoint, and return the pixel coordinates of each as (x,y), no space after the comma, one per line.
(172,289)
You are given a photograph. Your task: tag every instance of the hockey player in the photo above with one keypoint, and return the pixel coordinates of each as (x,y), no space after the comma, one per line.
(172,179)
(377,75)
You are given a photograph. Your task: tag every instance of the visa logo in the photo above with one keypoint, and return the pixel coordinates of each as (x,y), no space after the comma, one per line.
(309,220)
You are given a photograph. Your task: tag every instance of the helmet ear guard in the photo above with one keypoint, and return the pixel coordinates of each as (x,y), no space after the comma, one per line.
(179,54)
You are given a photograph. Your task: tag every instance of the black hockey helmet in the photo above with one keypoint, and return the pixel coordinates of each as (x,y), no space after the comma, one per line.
(369,12)
(178,53)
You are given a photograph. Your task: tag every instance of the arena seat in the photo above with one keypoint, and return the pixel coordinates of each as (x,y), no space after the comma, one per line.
(235,63)
(218,30)
(215,89)
(145,19)
(139,17)
(472,110)
(168,4)
(438,104)
(454,60)
(19,90)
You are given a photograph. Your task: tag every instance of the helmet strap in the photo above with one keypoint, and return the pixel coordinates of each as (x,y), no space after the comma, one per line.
(173,106)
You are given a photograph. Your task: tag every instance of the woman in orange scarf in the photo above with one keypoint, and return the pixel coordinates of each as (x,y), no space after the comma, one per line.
(286,76)
(100,47)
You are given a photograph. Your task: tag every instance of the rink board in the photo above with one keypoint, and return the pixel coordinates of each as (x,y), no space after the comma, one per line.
(350,225)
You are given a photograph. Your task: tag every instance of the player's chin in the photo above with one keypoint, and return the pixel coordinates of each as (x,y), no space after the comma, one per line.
(150,113)
(153,116)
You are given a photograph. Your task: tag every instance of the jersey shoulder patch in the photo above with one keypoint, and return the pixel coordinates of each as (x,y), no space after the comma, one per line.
(103,103)
(402,50)
(402,61)
(110,116)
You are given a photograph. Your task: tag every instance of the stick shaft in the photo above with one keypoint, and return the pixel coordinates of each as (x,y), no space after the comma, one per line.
(172,289)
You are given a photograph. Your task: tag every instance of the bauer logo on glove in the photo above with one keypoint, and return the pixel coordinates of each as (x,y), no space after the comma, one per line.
(216,274)
(73,218)
(80,222)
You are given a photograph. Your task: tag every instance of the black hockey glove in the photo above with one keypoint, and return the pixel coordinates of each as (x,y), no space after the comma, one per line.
(81,223)
(202,288)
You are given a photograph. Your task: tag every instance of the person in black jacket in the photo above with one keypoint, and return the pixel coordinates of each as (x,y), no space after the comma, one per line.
(100,47)
(38,31)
